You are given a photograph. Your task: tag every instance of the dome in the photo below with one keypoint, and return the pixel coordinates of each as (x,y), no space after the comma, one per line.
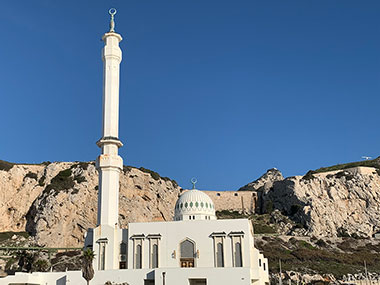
(194,205)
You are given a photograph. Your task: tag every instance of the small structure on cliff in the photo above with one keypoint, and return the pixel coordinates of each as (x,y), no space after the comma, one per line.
(195,248)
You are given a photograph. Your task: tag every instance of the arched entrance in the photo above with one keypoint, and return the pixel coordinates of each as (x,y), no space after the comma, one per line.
(187,253)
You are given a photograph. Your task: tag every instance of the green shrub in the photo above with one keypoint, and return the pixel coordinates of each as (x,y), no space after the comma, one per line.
(31,175)
(321,243)
(226,214)
(5,165)
(80,178)
(83,165)
(294,209)
(263,229)
(10,262)
(367,163)
(309,175)
(342,232)
(269,207)
(7,235)
(62,181)
(152,173)
(305,244)
(344,174)
(41,265)
(41,181)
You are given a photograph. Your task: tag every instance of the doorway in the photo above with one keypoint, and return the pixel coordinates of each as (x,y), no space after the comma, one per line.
(202,281)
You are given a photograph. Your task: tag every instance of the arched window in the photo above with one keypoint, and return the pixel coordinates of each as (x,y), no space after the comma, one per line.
(155,256)
(123,248)
(138,256)
(187,253)
(237,255)
(123,255)
(219,255)
(187,249)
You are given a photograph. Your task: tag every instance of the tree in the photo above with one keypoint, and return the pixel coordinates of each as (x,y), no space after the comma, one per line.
(26,260)
(87,269)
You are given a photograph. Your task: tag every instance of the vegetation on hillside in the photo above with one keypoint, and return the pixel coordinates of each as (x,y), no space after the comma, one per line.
(367,163)
(261,223)
(155,175)
(4,236)
(318,256)
(5,165)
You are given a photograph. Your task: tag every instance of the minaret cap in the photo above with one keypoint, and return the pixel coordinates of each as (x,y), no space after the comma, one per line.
(112,32)
(194,181)
(112,12)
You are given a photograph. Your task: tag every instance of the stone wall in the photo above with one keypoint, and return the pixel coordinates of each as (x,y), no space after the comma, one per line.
(242,201)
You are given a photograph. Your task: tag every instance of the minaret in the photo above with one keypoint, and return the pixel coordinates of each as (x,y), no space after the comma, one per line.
(109,163)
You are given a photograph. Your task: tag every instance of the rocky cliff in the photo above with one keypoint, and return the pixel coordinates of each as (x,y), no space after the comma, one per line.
(57,202)
(339,201)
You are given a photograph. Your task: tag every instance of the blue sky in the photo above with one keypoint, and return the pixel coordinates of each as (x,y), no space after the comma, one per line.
(219,90)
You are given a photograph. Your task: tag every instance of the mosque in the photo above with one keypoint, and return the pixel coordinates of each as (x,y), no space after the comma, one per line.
(195,248)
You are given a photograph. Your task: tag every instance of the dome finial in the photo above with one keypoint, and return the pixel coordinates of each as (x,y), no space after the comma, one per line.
(112,12)
(194,181)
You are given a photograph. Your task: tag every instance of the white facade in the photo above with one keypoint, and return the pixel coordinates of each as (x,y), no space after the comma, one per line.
(173,263)
(195,249)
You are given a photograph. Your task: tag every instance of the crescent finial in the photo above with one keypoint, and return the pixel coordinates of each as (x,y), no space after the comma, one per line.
(112,12)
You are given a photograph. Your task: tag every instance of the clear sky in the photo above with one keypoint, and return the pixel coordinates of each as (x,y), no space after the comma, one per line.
(219,90)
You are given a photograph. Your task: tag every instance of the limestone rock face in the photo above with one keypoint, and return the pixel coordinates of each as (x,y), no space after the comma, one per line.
(262,186)
(265,182)
(19,187)
(57,202)
(336,203)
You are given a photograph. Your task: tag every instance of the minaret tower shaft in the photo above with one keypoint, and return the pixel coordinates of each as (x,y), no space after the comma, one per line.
(109,163)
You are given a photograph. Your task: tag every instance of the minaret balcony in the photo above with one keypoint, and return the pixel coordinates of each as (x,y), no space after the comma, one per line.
(109,140)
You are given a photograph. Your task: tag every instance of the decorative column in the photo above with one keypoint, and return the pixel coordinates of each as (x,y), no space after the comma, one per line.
(109,163)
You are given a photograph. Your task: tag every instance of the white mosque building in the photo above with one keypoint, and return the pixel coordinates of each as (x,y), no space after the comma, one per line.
(195,248)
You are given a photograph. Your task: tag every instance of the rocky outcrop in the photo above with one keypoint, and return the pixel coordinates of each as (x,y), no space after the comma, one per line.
(262,186)
(265,182)
(343,202)
(57,202)
(336,203)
